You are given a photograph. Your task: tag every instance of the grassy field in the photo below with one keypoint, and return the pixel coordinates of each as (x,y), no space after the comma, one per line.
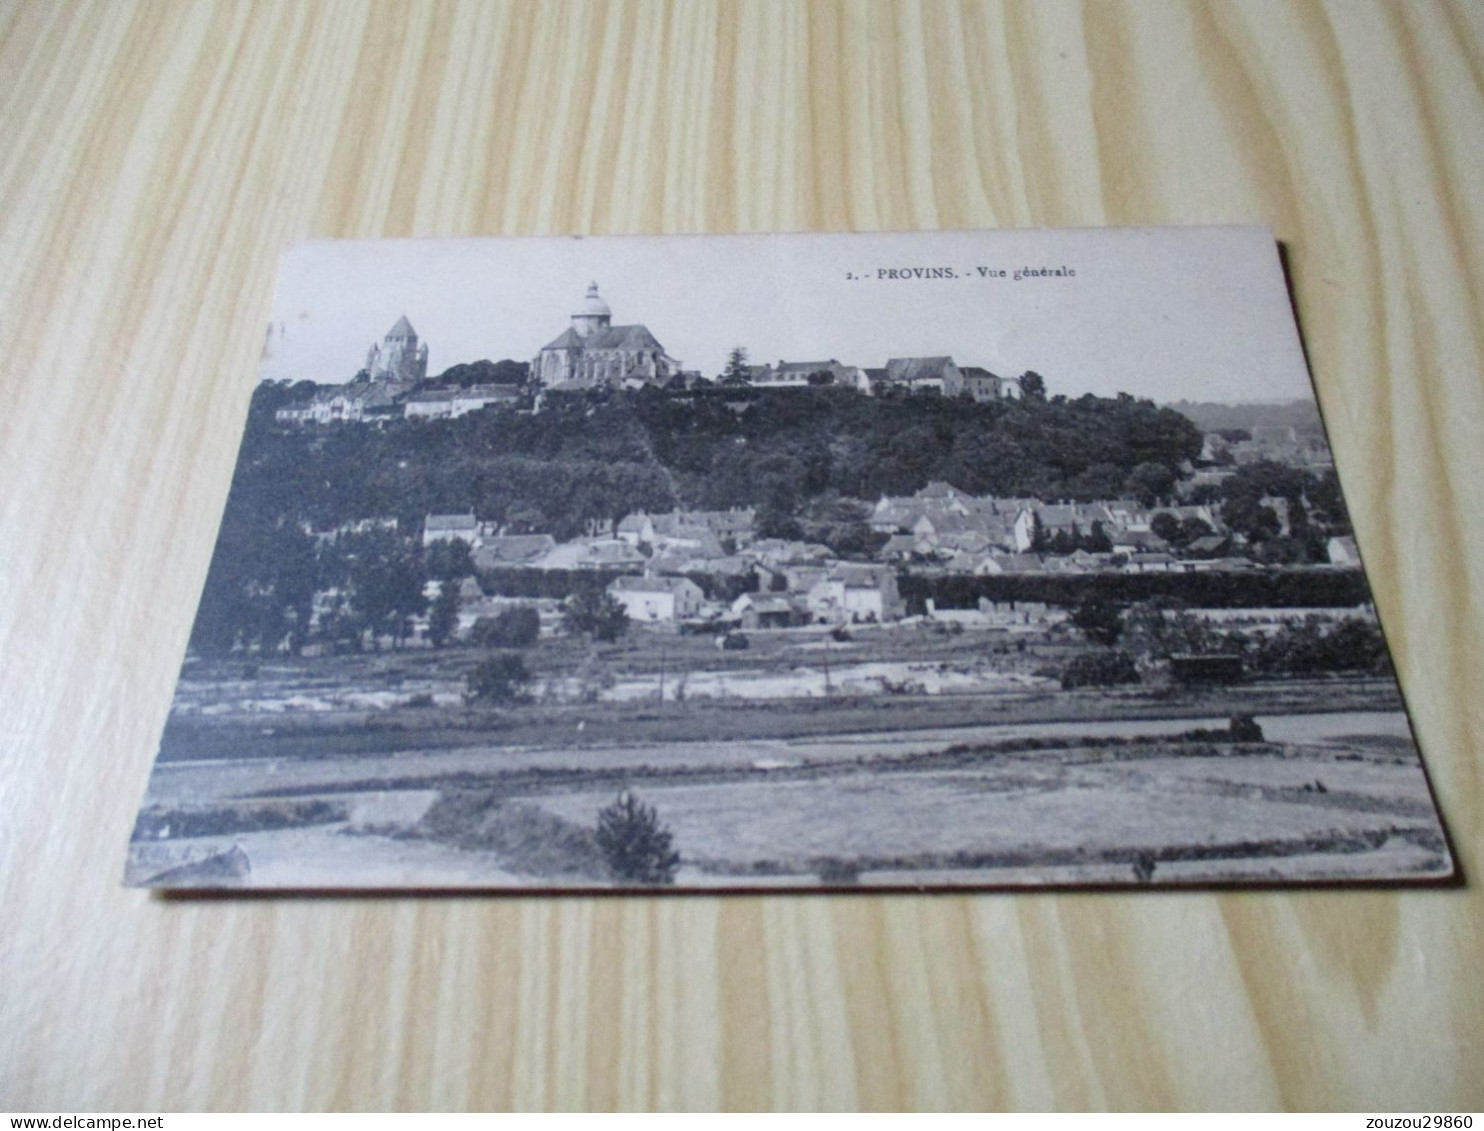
(904,755)
(787,684)
(1068,810)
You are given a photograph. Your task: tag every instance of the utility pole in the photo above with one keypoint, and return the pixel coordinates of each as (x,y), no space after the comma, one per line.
(662,673)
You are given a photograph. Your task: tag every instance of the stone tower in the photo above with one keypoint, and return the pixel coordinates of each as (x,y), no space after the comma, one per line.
(399,357)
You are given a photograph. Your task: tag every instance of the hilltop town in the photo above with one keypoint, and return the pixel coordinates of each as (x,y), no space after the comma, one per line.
(591,354)
(778,553)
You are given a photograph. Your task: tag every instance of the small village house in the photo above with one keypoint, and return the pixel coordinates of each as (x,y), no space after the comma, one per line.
(657,600)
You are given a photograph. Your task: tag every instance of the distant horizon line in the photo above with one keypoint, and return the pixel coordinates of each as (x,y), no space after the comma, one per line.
(265,380)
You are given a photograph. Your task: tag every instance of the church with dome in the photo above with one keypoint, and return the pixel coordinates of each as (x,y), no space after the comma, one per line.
(593,352)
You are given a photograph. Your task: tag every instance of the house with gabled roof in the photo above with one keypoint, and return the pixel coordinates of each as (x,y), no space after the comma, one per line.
(593,554)
(651,600)
(775,552)
(676,530)
(770,610)
(900,547)
(982,385)
(797,374)
(352,402)
(1010,563)
(456,402)
(451,528)
(1073,518)
(925,374)
(503,551)
(850,592)
(1153,562)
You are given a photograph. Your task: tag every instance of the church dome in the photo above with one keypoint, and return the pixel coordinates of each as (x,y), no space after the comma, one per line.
(594,305)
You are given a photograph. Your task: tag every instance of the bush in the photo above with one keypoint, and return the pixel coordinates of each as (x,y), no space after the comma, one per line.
(1099,669)
(596,613)
(1244,728)
(837,872)
(735,642)
(1101,621)
(500,679)
(1312,648)
(512,628)
(635,845)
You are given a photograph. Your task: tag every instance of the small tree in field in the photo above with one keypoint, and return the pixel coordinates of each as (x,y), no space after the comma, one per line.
(443,617)
(737,371)
(511,628)
(634,843)
(500,679)
(1244,728)
(1099,669)
(1099,620)
(595,613)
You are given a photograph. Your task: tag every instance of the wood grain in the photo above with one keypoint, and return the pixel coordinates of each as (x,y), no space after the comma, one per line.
(154,159)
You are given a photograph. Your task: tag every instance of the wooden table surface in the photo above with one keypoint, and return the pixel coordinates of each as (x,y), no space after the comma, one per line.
(155,158)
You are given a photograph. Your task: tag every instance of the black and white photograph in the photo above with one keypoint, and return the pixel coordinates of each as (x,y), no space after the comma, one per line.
(812,562)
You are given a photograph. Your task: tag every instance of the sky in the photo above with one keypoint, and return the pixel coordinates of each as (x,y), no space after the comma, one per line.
(1164,313)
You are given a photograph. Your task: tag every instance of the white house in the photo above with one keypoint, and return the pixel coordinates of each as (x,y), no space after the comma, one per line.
(591,553)
(652,600)
(849,592)
(449,403)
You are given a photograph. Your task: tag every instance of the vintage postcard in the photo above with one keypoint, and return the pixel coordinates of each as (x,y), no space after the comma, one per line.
(928,560)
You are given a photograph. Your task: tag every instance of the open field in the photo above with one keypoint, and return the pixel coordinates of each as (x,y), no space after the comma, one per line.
(665,688)
(1327,797)
(905,755)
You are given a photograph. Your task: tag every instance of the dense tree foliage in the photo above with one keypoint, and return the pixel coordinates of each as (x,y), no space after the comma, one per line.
(501,679)
(596,613)
(1352,645)
(596,457)
(486,373)
(448,559)
(1103,668)
(1099,619)
(1314,509)
(808,460)
(511,628)
(259,590)
(1260,589)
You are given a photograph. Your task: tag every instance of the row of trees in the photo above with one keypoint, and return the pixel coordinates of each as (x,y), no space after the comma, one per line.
(263,583)
(1154,630)
(1271,588)
(1249,500)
